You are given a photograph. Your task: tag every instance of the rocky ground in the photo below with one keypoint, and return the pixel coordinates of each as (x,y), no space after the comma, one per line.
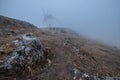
(56,54)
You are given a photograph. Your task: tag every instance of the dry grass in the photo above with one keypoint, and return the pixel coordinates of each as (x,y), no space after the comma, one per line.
(93,58)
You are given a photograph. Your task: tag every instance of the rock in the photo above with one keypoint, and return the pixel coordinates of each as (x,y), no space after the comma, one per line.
(76,50)
(67,42)
(28,52)
(78,75)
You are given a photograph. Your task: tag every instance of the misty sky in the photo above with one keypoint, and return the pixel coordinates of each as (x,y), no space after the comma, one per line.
(98,19)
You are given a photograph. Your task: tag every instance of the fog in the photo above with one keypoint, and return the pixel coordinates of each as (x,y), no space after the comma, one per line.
(97,19)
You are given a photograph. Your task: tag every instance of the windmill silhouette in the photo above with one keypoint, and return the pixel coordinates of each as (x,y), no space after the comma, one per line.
(49,20)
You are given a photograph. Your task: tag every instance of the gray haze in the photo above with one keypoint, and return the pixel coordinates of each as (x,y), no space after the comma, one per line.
(98,19)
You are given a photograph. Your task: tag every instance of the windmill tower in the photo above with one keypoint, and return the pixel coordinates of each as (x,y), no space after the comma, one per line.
(49,20)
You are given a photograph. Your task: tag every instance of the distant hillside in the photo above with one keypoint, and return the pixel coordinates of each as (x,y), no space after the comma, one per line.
(72,57)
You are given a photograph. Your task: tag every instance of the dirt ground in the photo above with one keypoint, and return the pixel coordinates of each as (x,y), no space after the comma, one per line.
(66,51)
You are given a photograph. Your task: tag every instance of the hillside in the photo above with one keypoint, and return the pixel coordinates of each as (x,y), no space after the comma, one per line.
(69,56)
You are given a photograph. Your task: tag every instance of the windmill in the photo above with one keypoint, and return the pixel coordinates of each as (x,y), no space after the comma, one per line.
(49,20)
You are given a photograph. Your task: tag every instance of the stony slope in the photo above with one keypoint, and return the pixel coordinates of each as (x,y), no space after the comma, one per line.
(70,55)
